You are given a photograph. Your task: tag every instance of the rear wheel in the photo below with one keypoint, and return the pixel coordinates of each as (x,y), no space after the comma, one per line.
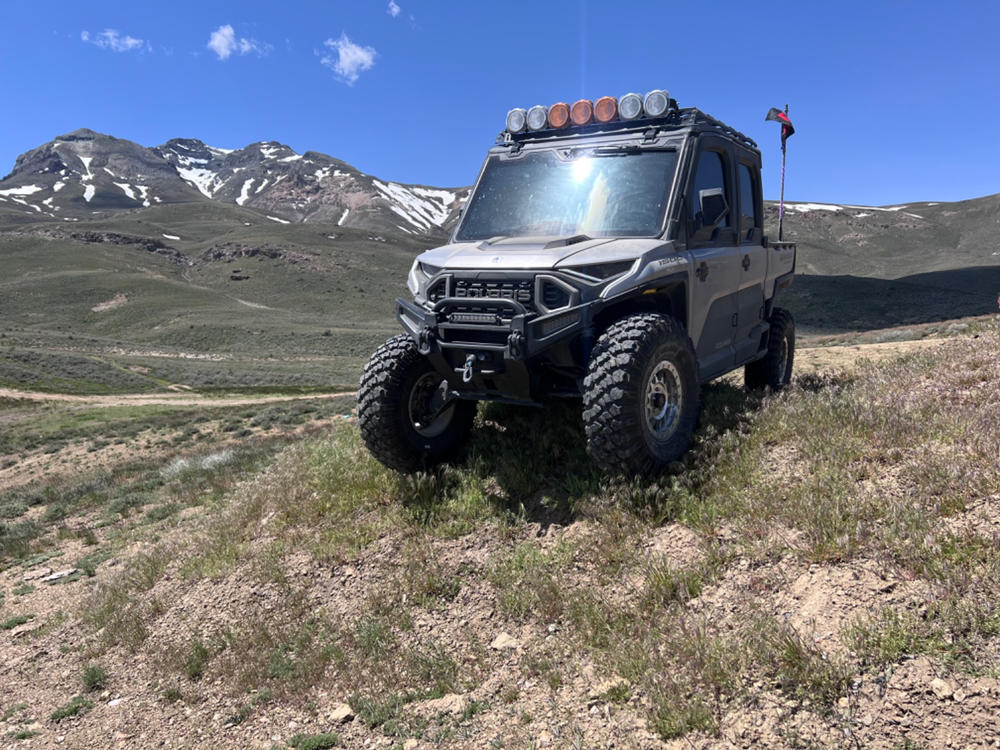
(641,395)
(774,371)
(406,417)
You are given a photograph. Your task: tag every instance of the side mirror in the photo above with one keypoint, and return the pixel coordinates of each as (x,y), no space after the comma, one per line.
(714,207)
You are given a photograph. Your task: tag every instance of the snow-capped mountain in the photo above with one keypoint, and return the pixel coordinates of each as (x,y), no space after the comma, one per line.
(83,172)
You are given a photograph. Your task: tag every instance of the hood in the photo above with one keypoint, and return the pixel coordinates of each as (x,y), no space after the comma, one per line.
(535,252)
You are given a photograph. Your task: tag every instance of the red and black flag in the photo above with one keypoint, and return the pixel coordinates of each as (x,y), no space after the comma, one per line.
(786,125)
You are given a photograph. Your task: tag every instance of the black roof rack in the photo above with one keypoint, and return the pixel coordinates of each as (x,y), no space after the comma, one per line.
(674,119)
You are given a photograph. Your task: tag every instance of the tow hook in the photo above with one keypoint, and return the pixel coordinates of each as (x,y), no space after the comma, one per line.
(515,343)
(426,339)
(470,362)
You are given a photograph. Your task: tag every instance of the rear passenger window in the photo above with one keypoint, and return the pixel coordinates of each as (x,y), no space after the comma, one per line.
(709,204)
(748,208)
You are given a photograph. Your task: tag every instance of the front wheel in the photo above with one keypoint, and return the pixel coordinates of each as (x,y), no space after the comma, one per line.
(774,371)
(406,418)
(641,395)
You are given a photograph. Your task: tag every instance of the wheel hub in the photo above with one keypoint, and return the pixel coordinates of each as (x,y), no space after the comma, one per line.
(663,400)
(430,412)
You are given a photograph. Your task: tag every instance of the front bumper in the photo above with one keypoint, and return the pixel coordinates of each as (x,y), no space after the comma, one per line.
(488,355)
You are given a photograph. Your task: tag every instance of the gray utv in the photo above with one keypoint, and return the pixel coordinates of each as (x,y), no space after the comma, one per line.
(611,251)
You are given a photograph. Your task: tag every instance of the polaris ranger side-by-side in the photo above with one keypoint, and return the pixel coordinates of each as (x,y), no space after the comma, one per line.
(611,251)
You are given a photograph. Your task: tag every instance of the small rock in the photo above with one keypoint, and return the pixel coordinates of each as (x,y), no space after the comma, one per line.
(25,628)
(341,713)
(959,695)
(411,744)
(59,574)
(503,642)
(553,628)
(451,704)
(940,688)
(115,702)
(34,575)
(61,738)
(843,703)
(293,725)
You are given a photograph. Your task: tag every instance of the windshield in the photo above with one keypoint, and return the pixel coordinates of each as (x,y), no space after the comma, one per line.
(601,193)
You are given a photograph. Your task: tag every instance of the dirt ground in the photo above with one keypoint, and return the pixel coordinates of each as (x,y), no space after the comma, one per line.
(907,706)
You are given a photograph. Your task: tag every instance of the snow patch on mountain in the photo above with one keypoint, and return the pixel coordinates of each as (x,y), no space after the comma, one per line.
(421,207)
(88,192)
(245,192)
(23,190)
(203,179)
(126,188)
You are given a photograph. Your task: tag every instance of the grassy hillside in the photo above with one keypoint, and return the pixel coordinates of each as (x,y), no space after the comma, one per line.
(232,302)
(822,572)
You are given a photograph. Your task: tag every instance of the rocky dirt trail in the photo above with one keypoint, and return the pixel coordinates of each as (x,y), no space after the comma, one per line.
(161,399)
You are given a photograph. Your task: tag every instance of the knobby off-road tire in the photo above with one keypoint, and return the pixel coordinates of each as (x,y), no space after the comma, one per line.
(398,386)
(641,396)
(774,371)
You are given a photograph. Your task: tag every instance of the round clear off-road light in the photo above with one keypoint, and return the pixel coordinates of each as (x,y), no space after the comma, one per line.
(630,106)
(537,117)
(656,103)
(517,119)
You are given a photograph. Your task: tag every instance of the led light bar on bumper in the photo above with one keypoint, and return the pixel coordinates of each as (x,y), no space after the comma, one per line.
(606,109)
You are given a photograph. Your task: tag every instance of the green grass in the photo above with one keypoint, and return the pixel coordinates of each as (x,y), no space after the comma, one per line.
(93,677)
(75,707)
(12,622)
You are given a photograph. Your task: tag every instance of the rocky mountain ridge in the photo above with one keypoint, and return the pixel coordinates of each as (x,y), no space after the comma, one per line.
(84,173)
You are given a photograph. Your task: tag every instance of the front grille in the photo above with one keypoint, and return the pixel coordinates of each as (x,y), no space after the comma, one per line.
(518,290)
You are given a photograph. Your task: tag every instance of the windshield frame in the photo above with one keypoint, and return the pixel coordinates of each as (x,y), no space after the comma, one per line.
(586,149)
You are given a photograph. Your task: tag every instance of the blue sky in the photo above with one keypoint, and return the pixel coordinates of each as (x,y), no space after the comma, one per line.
(892,101)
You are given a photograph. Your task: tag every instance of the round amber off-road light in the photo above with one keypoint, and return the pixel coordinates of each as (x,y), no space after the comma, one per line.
(581,112)
(605,109)
(559,115)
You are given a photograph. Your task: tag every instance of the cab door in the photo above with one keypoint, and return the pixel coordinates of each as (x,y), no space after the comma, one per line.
(753,261)
(713,246)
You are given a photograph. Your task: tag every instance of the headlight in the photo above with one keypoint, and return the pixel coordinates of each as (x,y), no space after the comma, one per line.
(602,271)
(428,270)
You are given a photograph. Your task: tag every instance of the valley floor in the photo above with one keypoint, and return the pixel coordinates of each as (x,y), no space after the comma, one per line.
(822,571)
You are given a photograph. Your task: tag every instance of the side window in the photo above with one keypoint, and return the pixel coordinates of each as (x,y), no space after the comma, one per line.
(708,203)
(748,209)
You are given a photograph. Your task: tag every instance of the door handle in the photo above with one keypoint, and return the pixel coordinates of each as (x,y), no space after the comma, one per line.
(702,271)
(746,262)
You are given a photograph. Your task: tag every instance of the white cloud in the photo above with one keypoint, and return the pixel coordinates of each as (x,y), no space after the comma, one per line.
(394,8)
(112,40)
(350,60)
(223,42)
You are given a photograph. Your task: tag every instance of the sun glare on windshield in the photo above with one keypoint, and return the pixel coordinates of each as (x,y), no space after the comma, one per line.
(582,168)
(600,195)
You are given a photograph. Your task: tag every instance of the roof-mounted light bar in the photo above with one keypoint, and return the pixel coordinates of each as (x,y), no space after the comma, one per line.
(631,106)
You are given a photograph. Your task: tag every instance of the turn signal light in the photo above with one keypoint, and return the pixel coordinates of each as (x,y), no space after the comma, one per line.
(582,111)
